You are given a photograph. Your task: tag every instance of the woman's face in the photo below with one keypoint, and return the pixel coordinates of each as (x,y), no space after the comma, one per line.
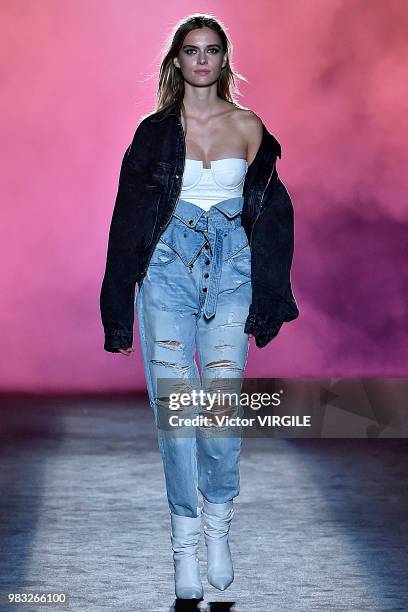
(201,50)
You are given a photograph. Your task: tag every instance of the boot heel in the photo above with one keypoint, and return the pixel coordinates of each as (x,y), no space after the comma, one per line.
(185,540)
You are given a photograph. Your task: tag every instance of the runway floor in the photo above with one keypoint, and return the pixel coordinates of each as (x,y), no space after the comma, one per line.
(320,525)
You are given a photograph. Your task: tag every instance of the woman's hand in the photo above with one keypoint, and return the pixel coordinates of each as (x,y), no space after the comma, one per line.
(127,351)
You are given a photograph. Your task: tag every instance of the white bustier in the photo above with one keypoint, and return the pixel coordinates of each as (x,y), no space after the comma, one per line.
(207,186)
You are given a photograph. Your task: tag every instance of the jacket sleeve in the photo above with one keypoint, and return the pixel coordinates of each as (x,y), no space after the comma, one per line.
(117,295)
(272,248)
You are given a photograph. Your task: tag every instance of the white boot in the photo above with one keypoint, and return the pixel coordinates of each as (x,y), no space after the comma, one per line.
(217,519)
(185,539)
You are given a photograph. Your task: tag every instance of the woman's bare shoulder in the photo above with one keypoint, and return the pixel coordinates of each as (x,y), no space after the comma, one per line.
(247,115)
(251,127)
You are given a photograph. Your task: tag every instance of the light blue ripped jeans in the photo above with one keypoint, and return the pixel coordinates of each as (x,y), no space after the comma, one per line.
(196,295)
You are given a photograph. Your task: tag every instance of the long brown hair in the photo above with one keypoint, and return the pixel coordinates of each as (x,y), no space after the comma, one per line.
(171,83)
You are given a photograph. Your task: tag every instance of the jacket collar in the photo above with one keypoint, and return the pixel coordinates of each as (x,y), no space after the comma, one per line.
(269,145)
(170,109)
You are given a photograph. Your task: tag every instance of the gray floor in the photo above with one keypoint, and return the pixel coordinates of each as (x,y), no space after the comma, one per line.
(319,525)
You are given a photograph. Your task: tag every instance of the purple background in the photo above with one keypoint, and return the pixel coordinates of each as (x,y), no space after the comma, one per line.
(329,81)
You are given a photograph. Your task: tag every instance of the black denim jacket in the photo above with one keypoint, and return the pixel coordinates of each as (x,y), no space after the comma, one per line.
(149,186)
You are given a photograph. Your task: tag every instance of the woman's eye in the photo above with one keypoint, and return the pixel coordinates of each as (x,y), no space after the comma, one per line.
(190,51)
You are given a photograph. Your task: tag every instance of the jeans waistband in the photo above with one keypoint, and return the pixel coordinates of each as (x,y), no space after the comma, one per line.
(222,214)
(206,227)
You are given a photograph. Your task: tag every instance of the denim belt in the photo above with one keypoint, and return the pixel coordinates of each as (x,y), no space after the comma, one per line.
(192,227)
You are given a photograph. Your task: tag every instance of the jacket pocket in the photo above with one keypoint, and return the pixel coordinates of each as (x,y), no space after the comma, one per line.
(157,177)
(152,187)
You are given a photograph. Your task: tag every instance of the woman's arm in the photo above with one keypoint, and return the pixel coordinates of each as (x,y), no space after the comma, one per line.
(118,285)
(272,251)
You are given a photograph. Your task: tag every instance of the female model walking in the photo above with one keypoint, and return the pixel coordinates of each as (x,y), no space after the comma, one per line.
(198,175)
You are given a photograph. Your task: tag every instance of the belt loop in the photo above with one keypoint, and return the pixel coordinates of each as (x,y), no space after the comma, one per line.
(205,219)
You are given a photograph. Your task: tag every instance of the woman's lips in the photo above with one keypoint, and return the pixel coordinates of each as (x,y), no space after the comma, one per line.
(202,71)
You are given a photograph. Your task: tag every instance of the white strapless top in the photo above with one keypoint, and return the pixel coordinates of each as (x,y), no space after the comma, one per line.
(207,186)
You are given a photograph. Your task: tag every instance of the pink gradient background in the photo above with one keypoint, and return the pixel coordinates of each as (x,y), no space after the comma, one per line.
(327,78)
